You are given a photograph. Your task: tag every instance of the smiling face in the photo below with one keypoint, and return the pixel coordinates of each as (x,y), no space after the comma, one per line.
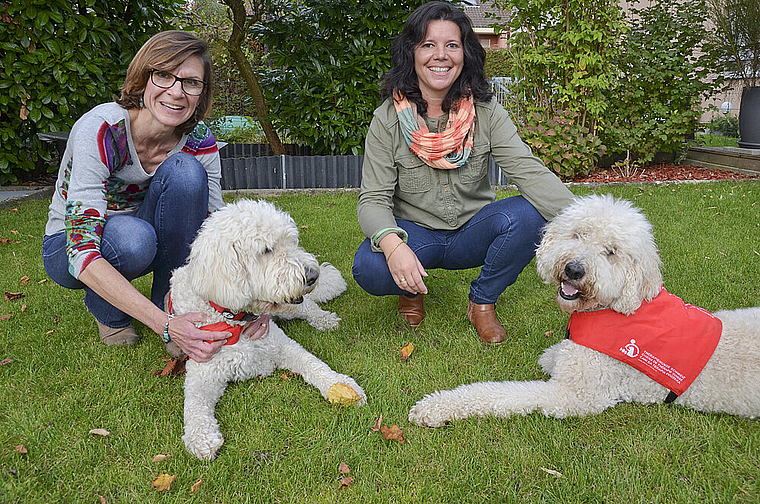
(171,107)
(438,59)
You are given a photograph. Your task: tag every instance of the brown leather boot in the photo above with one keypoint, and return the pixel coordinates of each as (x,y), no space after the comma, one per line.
(484,319)
(412,309)
(115,336)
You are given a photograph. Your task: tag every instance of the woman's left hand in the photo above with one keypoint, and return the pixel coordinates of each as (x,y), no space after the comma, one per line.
(257,329)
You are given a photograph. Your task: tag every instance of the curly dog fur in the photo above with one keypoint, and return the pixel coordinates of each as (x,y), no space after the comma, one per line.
(600,252)
(246,258)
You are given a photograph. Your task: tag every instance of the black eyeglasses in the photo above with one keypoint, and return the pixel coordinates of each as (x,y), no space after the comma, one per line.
(165,80)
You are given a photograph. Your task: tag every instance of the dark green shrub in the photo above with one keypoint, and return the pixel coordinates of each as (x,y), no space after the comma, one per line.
(498,63)
(724,125)
(59,59)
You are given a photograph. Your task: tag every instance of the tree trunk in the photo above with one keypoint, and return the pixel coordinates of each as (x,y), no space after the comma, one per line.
(239,25)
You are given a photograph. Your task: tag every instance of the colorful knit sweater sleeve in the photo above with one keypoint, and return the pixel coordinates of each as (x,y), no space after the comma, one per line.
(100,175)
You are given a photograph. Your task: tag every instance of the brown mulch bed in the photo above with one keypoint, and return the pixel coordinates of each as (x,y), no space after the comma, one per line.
(661,173)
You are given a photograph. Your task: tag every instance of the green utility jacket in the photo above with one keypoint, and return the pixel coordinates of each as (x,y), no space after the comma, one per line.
(398,184)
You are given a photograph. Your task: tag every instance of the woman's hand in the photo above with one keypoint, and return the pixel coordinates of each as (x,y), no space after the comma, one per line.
(405,267)
(257,329)
(198,344)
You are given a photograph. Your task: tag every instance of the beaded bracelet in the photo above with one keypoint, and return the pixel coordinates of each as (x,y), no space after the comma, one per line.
(392,251)
(165,337)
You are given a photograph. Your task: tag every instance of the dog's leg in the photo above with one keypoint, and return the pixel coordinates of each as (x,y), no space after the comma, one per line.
(295,358)
(502,399)
(312,313)
(203,390)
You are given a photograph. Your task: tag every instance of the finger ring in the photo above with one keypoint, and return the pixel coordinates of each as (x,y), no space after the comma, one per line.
(402,280)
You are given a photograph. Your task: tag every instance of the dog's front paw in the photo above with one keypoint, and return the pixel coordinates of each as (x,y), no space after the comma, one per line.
(430,412)
(203,445)
(346,392)
(324,320)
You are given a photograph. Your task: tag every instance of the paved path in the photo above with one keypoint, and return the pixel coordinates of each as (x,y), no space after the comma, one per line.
(10,195)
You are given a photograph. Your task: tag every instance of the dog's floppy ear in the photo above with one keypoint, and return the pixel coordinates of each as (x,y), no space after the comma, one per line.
(215,268)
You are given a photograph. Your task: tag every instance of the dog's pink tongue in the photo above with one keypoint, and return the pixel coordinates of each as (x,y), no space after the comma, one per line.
(568,289)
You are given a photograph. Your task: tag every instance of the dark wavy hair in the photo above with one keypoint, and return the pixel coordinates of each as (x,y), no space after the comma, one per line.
(402,76)
(166,51)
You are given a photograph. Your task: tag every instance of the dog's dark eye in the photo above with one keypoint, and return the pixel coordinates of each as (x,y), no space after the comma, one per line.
(609,252)
(267,250)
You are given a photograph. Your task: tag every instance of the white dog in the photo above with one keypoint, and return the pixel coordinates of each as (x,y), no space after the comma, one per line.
(601,254)
(246,262)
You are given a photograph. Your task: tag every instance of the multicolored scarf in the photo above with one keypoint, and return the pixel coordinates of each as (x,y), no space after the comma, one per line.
(449,149)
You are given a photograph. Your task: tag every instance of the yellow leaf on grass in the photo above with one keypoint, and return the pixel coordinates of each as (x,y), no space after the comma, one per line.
(99,432)
(163,482)
(340,393)
(161,457)
(406,351)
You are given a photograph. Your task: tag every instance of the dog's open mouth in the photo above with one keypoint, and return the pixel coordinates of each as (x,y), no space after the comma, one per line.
(569,291)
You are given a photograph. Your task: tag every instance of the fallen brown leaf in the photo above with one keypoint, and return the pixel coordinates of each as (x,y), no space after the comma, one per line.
(406,351)
(377,424)
(285,376)
(344,469)
(21,449)
(548,333)
(42,281)
(174,367)
(99,432)
(392,432)
(102,499)
(24,280)
(161,457)
(23,308)
(50,331)
(346,482)
(3,318)
(14,232)
(10,296)
(56,320)
(304,227)
(163,482)
(196,485)
(6,361)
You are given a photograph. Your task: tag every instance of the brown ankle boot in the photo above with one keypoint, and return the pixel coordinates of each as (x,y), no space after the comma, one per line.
(484,319)
(115,336)
(412,309)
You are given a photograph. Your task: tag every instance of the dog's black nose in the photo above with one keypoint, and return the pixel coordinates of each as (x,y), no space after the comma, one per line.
(311,276)
(574,270)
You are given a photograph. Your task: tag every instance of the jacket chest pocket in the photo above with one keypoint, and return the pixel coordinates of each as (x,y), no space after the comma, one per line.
(477,166)
(413,175)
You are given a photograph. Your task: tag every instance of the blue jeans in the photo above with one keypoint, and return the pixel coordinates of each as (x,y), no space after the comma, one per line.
(502,237)
(156,238)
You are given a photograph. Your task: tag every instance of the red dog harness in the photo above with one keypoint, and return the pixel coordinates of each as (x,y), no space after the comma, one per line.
(234,330)
(666,339)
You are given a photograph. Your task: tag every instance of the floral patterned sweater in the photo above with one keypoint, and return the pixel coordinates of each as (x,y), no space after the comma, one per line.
(101,175)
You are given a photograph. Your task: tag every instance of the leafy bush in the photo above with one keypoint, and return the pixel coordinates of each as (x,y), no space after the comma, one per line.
(725,125)
(560,54)
(59,59)
(326,60)
(498,63)
(565,146)
(655,103)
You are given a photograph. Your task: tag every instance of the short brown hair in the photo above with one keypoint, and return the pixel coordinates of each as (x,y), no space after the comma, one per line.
(165,51)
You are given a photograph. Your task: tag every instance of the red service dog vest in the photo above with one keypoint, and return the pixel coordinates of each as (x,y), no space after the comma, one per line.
(666,339)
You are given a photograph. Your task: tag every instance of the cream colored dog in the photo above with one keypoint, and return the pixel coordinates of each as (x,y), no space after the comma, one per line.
(246,262)
(600,252)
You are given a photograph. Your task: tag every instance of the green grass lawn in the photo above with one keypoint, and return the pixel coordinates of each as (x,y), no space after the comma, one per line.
(284,442)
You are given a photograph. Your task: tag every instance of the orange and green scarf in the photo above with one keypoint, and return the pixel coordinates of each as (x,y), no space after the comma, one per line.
(449,149)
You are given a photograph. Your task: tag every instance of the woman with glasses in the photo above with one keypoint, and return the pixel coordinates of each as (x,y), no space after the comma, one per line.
(137,179)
